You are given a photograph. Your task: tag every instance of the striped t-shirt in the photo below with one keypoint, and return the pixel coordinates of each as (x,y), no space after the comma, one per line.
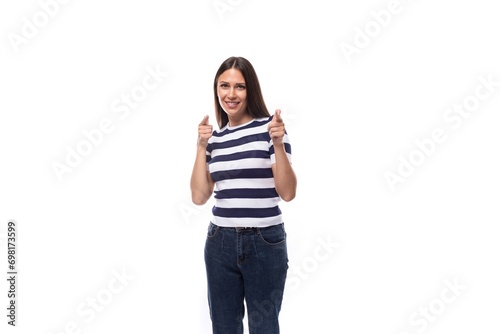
(239,160)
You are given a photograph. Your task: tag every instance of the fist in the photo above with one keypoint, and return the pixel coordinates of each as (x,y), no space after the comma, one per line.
(204,132)
(276,128)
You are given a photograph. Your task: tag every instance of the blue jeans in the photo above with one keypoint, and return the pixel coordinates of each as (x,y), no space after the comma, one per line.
(245,264)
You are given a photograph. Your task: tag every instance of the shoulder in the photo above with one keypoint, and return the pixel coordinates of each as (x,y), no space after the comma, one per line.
(263,121)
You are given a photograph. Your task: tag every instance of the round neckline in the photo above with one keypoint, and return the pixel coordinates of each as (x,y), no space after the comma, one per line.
(239,126)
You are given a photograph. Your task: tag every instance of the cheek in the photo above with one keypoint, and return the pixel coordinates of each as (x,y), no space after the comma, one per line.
(221,104)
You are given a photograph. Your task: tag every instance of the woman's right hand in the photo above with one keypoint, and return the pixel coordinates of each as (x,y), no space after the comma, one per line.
(204,132)
(202,185)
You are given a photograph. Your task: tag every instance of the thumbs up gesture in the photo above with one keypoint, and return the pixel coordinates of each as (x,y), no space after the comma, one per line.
(276,128)
(204,132)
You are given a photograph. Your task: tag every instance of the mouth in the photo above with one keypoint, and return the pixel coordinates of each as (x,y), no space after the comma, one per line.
(232,105)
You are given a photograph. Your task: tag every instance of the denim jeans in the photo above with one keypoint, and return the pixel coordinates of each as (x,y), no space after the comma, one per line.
(245,264)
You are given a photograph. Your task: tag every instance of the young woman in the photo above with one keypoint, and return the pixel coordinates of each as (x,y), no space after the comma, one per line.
(248,160)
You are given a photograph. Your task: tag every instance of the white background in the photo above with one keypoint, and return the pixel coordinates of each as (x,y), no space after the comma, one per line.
(126,206)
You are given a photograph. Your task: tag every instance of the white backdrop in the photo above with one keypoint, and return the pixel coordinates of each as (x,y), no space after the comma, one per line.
(392,110)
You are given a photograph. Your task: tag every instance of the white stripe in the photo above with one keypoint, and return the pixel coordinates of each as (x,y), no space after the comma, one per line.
(245,183)
(240,133)
(252,146)
(252,203)
(273,158)
(247,222)
(240,164)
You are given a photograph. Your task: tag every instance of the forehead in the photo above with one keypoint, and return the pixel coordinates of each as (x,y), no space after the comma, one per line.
(232,75)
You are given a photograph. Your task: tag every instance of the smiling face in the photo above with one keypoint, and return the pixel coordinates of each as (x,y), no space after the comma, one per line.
(232,93)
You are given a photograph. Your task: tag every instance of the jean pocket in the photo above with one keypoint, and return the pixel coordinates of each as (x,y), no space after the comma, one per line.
(212,230)
(273,235)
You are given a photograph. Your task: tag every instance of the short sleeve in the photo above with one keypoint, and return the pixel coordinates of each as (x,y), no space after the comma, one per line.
(208,153)
(288,149)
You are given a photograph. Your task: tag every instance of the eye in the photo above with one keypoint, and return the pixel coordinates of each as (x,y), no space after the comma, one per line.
(241,87)
(224,85)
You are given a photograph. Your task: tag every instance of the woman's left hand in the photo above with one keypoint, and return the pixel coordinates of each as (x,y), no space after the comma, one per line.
(276,128)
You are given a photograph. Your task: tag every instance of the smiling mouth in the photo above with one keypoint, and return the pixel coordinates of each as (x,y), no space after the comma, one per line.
(232,104)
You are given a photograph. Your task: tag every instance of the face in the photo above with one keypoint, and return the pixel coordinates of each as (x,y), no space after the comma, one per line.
(231,89)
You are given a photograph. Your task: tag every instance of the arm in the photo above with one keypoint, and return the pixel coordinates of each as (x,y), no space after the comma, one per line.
(202,184)
(284,176)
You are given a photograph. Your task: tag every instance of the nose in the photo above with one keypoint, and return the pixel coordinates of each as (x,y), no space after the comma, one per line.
(231,93)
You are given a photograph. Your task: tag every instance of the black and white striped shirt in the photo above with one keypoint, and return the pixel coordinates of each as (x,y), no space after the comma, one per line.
(239,160)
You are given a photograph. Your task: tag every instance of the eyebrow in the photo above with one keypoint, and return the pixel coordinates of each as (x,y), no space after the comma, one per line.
(238,83)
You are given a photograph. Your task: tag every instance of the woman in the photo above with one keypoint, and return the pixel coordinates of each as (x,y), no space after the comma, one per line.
(248,162)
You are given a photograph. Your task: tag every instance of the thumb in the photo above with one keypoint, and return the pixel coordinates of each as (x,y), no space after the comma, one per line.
(277,113)
(205,120)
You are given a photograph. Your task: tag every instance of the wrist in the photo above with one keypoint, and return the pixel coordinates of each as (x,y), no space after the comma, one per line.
(278,144)
(201,147)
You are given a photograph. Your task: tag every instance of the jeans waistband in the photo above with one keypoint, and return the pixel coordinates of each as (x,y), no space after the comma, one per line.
(242,229)
(239,228)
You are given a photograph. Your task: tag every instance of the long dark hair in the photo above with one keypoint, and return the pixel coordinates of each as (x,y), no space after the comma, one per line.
(256,106)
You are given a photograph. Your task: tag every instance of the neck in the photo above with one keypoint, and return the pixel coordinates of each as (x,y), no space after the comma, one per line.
(238,120)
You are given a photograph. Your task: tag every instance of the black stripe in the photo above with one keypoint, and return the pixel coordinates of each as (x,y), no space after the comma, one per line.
(246,212)
(250,173)
(246,193)
(288,149)
(253,124)
(241,155)
(263,136)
